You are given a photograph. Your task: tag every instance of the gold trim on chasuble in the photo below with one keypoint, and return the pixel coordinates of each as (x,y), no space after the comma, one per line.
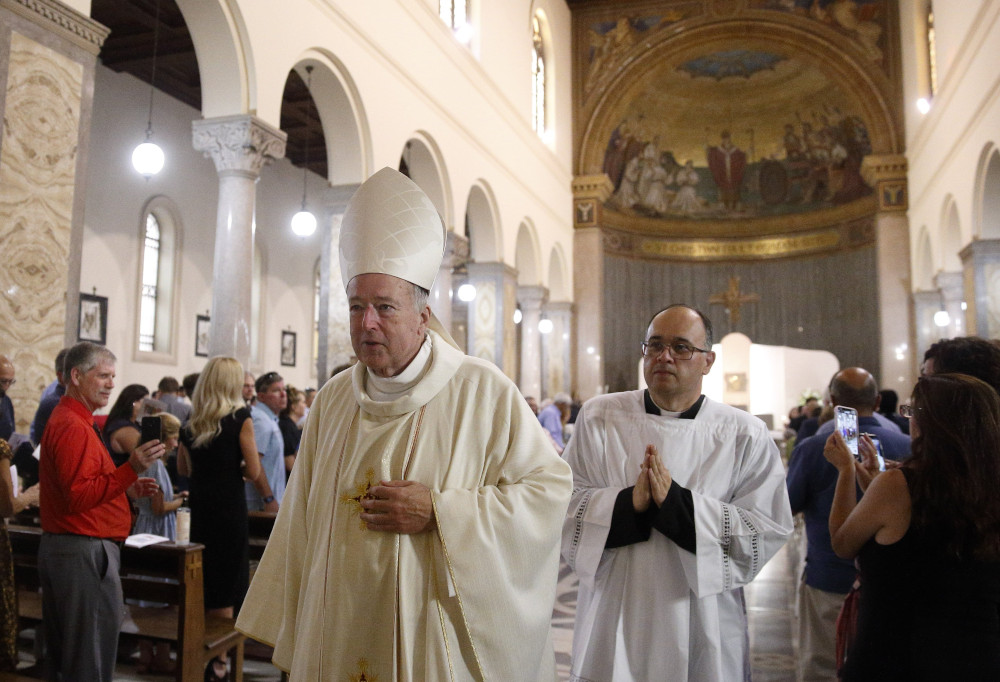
(361,493)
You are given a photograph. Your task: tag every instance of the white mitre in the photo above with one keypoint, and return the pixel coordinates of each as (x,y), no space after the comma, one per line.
(391,227)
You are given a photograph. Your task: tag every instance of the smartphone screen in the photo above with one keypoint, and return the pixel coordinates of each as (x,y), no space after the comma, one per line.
(847,424)
(150,429)
(878,450)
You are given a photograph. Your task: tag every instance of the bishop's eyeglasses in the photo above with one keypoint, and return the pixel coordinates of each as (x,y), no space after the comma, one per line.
(679,350)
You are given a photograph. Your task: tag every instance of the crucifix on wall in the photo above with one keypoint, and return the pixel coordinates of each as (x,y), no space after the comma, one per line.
(732,298)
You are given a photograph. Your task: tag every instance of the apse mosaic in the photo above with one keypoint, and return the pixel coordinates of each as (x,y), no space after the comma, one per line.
(735,134)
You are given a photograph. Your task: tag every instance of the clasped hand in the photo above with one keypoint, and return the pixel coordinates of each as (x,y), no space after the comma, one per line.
(398,507)
(653,483)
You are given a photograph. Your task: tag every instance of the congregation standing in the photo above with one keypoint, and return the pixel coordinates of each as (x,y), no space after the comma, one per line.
(428,503)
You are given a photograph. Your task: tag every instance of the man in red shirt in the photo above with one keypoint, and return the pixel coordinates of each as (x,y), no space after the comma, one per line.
(85,517)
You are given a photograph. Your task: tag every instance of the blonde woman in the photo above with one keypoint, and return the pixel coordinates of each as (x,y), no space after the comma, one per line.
(217,451)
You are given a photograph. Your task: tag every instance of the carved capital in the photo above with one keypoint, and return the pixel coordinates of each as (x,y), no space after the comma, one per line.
(597,187)
(54,16)
(456,251)
(240,144)
(531,298)
(887,174)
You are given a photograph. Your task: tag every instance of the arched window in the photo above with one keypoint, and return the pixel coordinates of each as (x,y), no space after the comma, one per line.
(455,13)
(159,239)
(931,51)
(537,77)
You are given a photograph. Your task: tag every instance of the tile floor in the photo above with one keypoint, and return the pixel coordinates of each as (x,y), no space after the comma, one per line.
(770,603)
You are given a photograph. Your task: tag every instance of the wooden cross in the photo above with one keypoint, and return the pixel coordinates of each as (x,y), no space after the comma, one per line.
(732,298)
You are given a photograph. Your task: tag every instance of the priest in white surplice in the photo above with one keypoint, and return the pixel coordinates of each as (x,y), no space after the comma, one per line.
(678,502)
(419,535)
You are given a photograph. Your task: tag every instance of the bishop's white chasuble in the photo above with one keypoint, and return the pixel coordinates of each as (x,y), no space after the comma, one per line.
(469,600)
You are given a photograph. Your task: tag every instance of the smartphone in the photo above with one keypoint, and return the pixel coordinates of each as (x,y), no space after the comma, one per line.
(878,450)
(150,429)
(847,424)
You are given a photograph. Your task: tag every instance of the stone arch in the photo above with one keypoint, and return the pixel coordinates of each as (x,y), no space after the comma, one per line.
(924,261)
(342,114)
(559,285)
(951,236)
(527,254)
(986,199)
(426,167)
(482,219)
(225,66)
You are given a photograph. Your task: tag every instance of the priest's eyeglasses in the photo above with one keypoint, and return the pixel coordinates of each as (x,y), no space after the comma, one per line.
(678,349)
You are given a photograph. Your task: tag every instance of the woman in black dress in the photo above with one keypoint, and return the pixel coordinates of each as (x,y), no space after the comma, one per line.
(927,538)
(217,451)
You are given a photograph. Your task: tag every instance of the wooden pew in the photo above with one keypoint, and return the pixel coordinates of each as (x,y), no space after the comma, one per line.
(260,523)
(197,638)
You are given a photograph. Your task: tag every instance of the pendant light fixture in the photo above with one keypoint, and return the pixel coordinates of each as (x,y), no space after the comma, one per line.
(304,222)
(148,158)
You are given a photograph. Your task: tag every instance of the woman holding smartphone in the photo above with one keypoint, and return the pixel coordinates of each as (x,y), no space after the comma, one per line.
(927,539)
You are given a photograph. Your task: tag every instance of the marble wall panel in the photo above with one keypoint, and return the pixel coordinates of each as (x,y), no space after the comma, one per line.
(38,162)
(484,344)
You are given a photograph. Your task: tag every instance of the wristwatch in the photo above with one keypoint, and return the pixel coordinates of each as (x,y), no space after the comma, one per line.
(269,499)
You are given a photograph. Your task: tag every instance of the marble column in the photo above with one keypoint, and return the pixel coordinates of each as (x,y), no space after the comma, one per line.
(925,304)
(334,342)
(556,348)
(492,334)
(48,54)
(951,286)
(887,175)
(589,194)
(981,275)
(531,299)
(239,146)
(456,252)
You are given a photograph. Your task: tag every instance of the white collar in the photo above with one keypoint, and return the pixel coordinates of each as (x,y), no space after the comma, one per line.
(385,389)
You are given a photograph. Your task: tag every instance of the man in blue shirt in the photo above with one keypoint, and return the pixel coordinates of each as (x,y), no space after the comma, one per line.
(271,400)
(811,481)
(50,398)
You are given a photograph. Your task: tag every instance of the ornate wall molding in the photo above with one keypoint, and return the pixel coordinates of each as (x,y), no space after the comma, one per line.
(56,17)
(239,144)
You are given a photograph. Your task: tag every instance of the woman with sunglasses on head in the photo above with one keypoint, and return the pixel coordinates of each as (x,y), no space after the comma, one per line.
(927,539)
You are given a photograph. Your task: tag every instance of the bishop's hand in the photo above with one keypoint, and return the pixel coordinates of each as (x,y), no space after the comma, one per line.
(398,507)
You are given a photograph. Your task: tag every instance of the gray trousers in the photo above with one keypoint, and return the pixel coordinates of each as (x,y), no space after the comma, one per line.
(82,607)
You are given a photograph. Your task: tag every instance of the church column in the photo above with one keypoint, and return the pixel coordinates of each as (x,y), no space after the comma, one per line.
(887,174)
(556,348)
(925,305)
(981,274)
(492,334)
(239,146)
(951,286)
(332,299)
(531,299)
(589,194)
(48,54)
(456,252)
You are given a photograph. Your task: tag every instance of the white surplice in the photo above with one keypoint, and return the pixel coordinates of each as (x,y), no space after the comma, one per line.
(471,599)
(651,610)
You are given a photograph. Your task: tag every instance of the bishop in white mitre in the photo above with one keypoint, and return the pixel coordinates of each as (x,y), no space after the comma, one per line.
(418,538)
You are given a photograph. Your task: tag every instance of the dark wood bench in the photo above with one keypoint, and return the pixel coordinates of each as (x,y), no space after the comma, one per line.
(260,524)
(197,638)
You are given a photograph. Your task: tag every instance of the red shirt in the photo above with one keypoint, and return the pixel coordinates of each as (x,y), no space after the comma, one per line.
(81,490)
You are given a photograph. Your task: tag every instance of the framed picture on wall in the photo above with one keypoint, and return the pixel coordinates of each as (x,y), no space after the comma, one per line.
(288,349)
(202,333)
(92,324)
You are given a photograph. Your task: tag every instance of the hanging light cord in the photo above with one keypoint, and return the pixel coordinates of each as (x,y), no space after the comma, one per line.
(152,76)
(305,166)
